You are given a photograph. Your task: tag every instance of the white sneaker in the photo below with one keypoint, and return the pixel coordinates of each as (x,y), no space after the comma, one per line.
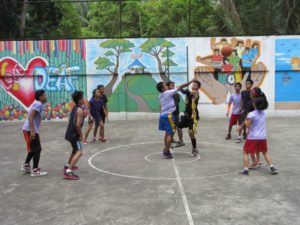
(26,168)
(38,173)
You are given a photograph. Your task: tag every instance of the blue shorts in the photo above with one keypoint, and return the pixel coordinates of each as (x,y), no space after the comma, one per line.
(167,123)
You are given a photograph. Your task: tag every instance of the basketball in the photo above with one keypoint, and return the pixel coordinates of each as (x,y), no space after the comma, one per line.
(226,51)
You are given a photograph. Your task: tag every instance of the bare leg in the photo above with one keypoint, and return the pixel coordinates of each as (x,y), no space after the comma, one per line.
(70,158)
(168,141)
(246,160)
(229,133)
(90,126)
(180,134)
(75,159)
(268,158)
(95,130)
(101,125)
(257,156)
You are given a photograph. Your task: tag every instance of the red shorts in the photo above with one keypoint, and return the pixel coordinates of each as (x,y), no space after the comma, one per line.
(234,120)
(253,146)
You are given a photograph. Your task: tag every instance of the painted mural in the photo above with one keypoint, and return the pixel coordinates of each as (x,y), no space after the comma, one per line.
(287,77)
(57,66)
(229,60)
(131,68)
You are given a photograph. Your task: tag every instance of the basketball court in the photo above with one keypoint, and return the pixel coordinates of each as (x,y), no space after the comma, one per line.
(126,181)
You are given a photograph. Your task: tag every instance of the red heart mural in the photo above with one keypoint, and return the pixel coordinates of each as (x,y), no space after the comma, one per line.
(17,81)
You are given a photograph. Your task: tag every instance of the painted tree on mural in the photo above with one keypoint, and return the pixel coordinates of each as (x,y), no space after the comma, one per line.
(159,48)
(115,48)
(168,61)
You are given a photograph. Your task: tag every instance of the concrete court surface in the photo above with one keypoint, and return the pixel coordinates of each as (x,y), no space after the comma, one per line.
(126,181)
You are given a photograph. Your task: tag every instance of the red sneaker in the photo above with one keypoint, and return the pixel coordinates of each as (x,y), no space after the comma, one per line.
(71,176)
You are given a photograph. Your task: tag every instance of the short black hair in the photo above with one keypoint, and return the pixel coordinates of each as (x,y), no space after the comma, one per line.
(169,83)
(250,81)
(100,86)
(198,83)
(239,84)
(76,96)
(38,94)
(160,86)
(261,102)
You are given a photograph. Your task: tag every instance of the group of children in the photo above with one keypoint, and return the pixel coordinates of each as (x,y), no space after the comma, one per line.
(98,113)
(169,119)
(247,112)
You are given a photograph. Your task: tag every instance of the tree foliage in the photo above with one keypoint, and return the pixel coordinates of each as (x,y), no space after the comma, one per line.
(151,18)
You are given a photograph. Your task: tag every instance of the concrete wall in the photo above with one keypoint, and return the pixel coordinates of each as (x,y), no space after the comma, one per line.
(130,69)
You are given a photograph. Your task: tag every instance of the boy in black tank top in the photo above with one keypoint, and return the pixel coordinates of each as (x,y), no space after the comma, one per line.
(191,115)
(74,135)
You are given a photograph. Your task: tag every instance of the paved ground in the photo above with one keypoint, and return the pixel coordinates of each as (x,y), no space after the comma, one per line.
(127,182)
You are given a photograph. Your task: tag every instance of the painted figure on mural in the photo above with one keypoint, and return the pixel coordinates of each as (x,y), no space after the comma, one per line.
(232,61)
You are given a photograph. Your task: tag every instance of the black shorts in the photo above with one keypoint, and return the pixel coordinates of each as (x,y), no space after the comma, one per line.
(76,145)
(32,145)
(91,120)
(185,122)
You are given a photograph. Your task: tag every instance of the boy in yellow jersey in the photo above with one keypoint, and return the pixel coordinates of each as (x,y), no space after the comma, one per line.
(191,115)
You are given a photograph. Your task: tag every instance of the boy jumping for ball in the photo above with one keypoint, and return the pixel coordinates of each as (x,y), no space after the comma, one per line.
(191,116)
(166,120)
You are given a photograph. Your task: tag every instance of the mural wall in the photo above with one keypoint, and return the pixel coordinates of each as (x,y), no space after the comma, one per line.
(130,69)
(287,77)
(55,66)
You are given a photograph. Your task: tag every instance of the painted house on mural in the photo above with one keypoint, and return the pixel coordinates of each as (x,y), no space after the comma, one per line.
(136,67)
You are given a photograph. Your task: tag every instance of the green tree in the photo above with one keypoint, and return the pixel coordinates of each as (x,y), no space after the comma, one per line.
(156,47)
(103,19)
(115,48)
(167,54)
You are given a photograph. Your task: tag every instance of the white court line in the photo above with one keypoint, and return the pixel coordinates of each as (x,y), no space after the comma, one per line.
(185,202)
(153,178)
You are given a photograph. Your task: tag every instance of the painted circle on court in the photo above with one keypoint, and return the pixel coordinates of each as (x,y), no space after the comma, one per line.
(185,157)
(129,161)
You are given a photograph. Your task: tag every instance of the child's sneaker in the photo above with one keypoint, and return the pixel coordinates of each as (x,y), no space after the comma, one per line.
(71,176)
(103,139)
(194,152)
(180,144)
(73,168)
(84,142)
(238,140)
(244,172)
(93,140)
(38,173)
(228,137)
(274,171)
(167,155)
(26,168)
